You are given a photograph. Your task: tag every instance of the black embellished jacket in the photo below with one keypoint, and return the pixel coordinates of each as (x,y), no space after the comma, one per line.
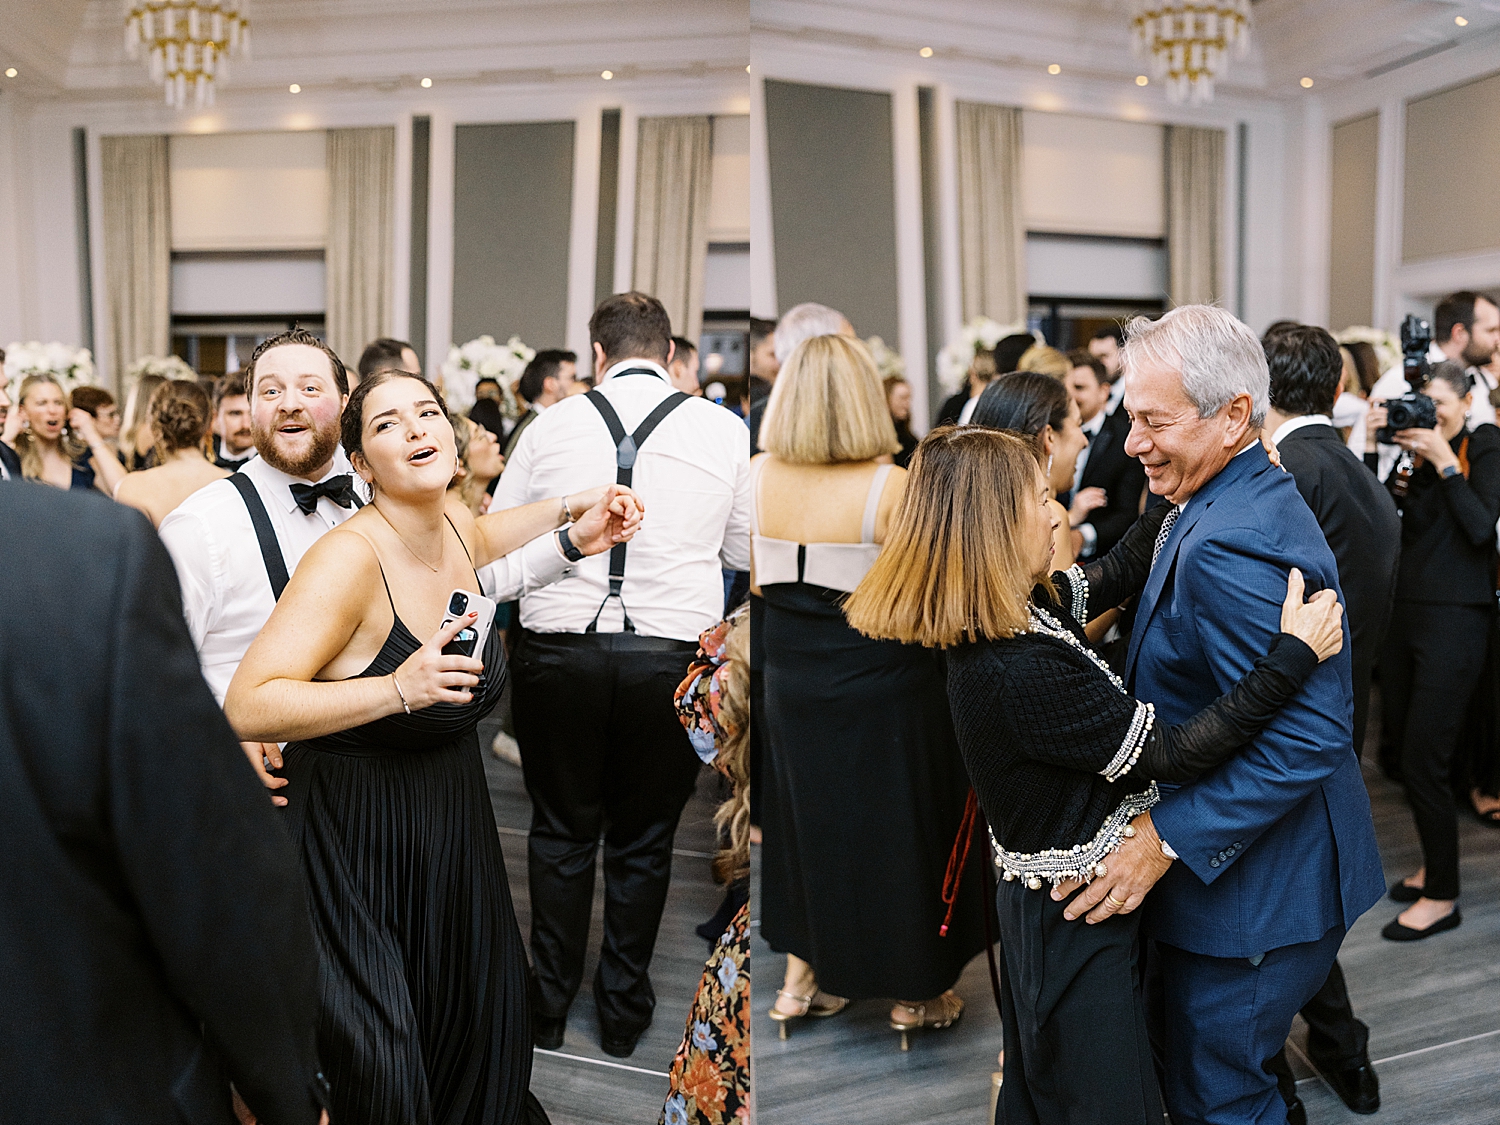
(1062,758)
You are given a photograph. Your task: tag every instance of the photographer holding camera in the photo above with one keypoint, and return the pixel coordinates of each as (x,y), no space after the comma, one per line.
(1447,486)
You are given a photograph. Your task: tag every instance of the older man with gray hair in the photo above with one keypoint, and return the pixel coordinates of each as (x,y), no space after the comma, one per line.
(1266,862)
(800,322)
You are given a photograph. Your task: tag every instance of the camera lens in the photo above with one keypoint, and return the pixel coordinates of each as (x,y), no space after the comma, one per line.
(458,604)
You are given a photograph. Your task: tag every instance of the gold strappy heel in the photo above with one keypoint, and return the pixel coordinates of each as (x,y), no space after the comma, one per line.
(810,1007)
(930,1014)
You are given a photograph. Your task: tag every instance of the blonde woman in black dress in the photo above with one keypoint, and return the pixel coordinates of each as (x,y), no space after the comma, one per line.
(423,1009)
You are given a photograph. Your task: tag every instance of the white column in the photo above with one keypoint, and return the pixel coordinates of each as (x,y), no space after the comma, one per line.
(1316,212)
(440,241)
(945,149)
(911,284)
(762,231)
(630,135)
(1229,211)
(1390,200)
(399,314)
(584,227)
(104,352)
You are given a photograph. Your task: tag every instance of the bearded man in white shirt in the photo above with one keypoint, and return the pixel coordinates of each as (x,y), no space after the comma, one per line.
(600,657)
(297,488)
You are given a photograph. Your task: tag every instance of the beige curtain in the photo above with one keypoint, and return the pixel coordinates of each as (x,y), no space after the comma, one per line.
(1195,200)
(991,227)
(137,248)
(672,180)
(360,257)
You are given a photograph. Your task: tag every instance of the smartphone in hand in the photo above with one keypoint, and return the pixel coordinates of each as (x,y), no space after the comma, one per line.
(471,639)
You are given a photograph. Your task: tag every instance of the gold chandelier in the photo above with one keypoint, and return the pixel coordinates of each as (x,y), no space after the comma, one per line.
(188,43)
(1188,42)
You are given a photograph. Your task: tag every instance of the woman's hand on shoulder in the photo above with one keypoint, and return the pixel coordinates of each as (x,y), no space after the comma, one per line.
(613,515)
(1317,622)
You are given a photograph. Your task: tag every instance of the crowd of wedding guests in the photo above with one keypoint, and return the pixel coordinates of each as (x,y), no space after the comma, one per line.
(331,545)
(1120,606)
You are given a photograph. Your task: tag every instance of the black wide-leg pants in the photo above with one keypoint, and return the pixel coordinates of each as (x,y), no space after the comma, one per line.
(1077,1050)
(603,752)
(1431,661)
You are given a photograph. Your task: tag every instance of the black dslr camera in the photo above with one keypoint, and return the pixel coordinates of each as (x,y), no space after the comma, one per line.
(1413,411)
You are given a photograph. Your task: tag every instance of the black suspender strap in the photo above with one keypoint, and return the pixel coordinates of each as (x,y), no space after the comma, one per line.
(627,448)
(265,534)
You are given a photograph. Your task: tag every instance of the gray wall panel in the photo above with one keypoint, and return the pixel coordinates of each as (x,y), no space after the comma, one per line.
(1351,260)
(1452,197)
(833,204)
(512,221)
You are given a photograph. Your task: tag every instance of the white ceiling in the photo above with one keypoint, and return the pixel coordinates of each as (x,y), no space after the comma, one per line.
(1330,41)
(73,48)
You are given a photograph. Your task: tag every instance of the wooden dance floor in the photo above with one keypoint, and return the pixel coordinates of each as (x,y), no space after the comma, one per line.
(1433,1008)
(579,1084)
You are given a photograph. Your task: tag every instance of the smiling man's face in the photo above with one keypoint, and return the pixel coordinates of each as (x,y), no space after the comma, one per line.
(295,406)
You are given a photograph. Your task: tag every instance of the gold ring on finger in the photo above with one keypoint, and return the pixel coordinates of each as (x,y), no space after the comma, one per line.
(1114,902)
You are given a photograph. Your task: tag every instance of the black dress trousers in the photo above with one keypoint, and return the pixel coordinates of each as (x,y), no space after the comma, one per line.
(603,752)
(1432,659)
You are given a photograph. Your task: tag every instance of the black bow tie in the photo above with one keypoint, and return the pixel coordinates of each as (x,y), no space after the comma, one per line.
(338,489)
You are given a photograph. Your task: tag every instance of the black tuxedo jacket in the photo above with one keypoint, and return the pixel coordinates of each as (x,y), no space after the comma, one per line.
(1363,529)
(154,939)
(1120,475)
(12,461)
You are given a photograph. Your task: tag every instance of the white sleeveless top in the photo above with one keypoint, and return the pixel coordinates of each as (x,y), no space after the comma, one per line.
(838,566)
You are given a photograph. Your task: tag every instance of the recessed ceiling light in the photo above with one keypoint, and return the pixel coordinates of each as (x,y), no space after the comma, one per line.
(925,52)
(10,72)
(1141,80)
(294,89)
(606,75)
(1460,21)
(1307,83)
(1054,69)
(427,83)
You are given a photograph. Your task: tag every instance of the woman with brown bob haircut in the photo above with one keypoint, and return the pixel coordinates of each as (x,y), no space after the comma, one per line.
(863,788)
(1064,762)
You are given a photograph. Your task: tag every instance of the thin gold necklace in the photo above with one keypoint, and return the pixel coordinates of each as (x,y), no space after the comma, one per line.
(442,543)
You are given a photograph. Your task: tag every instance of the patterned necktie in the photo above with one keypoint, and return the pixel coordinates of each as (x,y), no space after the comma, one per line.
(1166,529)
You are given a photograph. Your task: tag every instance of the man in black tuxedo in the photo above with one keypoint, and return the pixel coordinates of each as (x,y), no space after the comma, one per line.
(1363,529)
(1108,483)
(154,941)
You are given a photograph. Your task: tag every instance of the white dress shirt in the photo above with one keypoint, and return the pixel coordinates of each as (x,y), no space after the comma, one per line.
(1086,528)
(1292,425)
(226,593)
(692,473)
(968,411)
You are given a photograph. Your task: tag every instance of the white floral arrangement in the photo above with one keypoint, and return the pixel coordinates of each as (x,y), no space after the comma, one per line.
(1387,347)
(888,361)
(168,367)
(957,356)
(70,366)
(484,359)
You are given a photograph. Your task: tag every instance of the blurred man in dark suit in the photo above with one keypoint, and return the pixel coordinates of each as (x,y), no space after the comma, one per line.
(1363,529)
(1108,482)
(154,941)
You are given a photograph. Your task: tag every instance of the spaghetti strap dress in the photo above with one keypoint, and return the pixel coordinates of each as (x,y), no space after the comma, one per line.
(423,1014)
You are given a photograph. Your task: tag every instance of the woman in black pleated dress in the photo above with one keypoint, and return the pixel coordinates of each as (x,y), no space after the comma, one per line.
(423,1008)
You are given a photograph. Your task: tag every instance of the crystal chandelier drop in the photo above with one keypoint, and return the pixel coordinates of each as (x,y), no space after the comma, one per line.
(1188,42)
(187,44)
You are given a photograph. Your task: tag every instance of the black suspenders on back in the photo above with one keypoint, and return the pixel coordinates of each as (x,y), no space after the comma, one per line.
(270,549)
(627,447)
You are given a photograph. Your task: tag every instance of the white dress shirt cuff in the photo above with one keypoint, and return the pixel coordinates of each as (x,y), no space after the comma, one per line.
(1090,541)
(539,563)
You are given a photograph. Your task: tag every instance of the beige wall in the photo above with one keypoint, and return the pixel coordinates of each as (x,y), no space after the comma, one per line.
(1452,198)
(1092,175)
(249,191)
(1351,259)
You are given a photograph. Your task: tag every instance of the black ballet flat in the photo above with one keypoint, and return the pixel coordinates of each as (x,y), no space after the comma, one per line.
(1400,892)
(1395,931)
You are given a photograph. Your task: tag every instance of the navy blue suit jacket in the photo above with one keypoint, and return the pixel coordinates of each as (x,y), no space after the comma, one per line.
(1276,845)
